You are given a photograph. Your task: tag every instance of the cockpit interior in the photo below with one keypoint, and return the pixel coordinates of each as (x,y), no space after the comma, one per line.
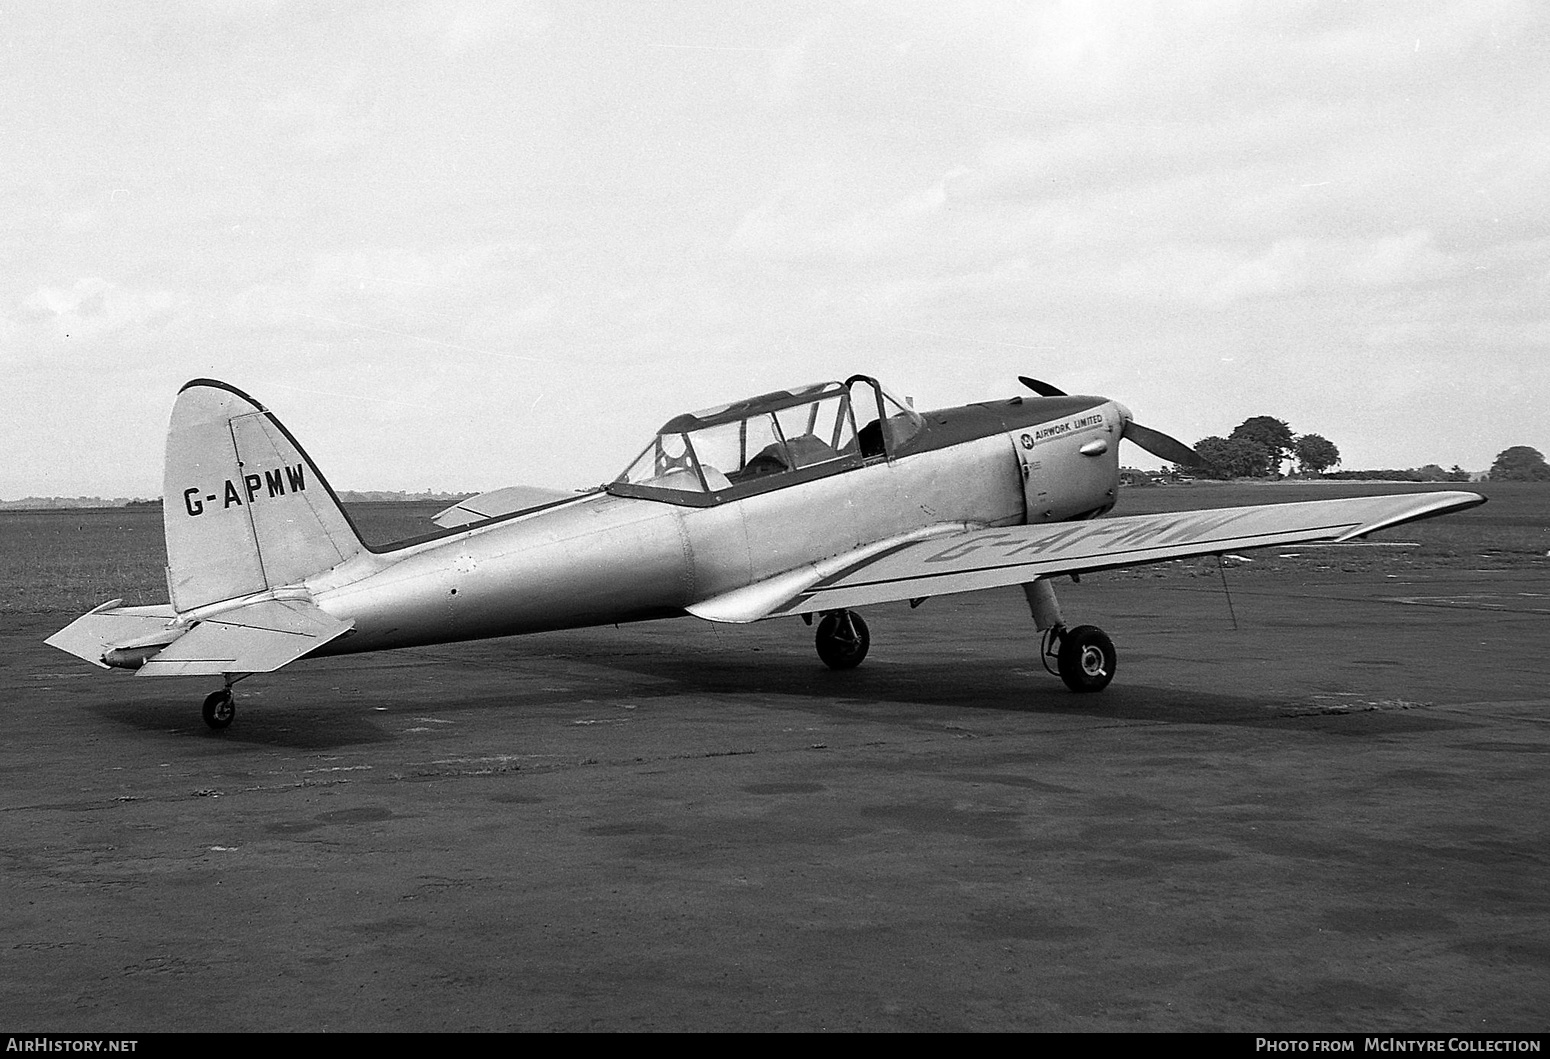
(770,442)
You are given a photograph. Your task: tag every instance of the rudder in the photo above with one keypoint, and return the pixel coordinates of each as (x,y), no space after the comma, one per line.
(243,507)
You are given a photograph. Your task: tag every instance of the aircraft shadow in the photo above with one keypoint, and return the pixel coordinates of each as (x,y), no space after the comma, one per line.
(294,713)
(668,670)
(333,703)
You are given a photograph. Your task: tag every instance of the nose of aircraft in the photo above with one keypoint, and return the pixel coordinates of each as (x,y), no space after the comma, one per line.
(1154,441)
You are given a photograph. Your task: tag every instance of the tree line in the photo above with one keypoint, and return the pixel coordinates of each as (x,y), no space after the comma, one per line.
(1260,445)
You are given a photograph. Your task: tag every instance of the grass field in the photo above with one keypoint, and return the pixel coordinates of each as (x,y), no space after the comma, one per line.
(70,561)
(1511,530)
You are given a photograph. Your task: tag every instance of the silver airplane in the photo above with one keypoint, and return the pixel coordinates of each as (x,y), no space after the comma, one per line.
(805,502)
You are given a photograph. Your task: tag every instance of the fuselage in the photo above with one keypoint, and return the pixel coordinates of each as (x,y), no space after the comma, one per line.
(604,558)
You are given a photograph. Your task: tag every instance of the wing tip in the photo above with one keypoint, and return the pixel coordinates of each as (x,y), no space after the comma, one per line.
(1438,503)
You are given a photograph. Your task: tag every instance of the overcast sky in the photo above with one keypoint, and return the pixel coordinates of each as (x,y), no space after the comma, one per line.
(461,245)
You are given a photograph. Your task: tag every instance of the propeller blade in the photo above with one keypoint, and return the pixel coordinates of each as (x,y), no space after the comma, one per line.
(1043,389)
(1163,447)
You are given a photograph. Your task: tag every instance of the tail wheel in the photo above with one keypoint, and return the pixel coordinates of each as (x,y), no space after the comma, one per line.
(843,639)
(219,709)
(1087,658)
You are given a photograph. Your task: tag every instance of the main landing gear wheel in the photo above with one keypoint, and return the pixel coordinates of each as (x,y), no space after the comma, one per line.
(843,639)
(219,709)
(1086,658)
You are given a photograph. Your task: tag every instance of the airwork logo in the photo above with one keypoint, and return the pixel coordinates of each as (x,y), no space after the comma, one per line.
(270,483)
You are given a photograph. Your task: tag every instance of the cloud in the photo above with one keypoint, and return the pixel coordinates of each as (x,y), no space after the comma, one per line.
(809,221)
(1166,197)
(401,306)
(1147,58)
(461,28)
(335,114)
(94,308)
(1292,266)
(412,272)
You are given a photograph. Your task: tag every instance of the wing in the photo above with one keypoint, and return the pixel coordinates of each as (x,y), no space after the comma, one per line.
(498,502)
(956,559)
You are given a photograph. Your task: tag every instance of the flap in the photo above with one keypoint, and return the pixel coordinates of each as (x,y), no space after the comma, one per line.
(257,638)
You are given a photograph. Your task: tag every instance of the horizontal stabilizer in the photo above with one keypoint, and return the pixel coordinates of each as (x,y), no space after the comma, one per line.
(499,502)
(969,560)
(100,630)
(258,638)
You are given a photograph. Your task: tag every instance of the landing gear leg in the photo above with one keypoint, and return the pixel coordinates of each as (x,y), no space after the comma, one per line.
(1084,657)
(1043,605)
(843,639)
(220,709)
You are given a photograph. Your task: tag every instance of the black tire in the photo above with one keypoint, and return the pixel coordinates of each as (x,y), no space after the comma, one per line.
(843,639)
(219,710)
(1087,658)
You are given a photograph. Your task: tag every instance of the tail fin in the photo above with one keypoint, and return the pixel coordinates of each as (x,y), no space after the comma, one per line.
(243,506)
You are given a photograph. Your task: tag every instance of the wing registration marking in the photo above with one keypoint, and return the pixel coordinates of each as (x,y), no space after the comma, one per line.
(1080,545)
(1154,531)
